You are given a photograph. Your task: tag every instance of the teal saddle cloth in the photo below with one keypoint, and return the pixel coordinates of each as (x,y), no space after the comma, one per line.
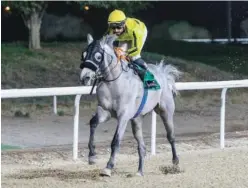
(147,77)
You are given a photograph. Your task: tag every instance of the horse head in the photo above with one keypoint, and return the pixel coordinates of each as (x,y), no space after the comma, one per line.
(99,56)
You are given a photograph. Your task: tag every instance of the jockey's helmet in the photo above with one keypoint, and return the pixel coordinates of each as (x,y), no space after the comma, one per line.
(116,17)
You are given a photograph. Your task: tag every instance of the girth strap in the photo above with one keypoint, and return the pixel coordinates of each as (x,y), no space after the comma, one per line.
(142,104)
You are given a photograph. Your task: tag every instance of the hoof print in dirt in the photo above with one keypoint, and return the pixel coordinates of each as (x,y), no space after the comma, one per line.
(174,169)
(129,175)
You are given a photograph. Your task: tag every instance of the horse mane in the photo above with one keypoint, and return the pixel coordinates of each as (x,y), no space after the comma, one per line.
(119,53)
(108,39)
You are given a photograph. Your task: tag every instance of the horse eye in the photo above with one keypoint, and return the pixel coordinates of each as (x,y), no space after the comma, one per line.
(98,56)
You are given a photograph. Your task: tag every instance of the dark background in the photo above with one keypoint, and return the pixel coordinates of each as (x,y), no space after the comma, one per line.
(209,14)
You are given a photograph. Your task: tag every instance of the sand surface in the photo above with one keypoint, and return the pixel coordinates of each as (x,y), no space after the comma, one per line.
(202,164)
(46,160)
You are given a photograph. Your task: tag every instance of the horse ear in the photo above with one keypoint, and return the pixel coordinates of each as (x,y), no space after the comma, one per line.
(89,39)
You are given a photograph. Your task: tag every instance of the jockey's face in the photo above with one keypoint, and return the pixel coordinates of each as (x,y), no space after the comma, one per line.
(118,29)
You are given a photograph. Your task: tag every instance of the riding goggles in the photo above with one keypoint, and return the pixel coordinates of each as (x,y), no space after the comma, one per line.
(118,25)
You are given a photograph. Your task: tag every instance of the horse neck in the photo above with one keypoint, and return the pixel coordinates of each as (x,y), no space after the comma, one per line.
(113,70)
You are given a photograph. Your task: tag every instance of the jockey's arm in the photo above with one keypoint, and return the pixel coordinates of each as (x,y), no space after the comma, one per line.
(137,44)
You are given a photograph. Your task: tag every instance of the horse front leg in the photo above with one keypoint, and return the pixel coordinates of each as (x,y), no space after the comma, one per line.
(100,117)
(115,144)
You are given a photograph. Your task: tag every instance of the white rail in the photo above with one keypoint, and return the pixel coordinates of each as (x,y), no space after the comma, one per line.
(43,92)
(221,40)
(78,91)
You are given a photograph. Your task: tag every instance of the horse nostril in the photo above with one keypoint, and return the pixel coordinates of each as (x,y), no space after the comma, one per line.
(85,80)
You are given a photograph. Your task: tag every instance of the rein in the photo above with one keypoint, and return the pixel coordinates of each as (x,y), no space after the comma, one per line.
(120,56)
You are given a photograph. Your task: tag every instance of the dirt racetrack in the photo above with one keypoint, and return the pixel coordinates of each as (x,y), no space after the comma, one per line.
(202,165)
(46,158)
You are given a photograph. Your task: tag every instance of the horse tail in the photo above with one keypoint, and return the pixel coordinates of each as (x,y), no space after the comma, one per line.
(172,74)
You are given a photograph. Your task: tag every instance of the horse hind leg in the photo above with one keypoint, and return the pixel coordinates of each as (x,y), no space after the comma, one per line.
(100,117)
(166,112)
(137,132)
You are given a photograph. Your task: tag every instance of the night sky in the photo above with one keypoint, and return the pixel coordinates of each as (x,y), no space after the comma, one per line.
(211,15)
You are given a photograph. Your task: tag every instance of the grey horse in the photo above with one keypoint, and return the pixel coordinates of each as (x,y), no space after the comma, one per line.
(87,77)
(119,94)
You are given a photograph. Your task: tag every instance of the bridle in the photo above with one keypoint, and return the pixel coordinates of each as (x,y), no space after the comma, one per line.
(101,73)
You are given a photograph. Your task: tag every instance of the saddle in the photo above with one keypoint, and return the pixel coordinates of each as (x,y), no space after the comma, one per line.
(149,82)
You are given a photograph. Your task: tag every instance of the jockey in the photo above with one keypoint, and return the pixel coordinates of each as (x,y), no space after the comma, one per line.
(130,31)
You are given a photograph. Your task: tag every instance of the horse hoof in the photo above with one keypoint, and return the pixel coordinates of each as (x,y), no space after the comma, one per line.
(92,160)
(106,172)
(140,174)
(175,161)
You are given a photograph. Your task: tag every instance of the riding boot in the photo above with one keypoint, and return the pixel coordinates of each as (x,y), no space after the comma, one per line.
(141,63)
(141,72)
